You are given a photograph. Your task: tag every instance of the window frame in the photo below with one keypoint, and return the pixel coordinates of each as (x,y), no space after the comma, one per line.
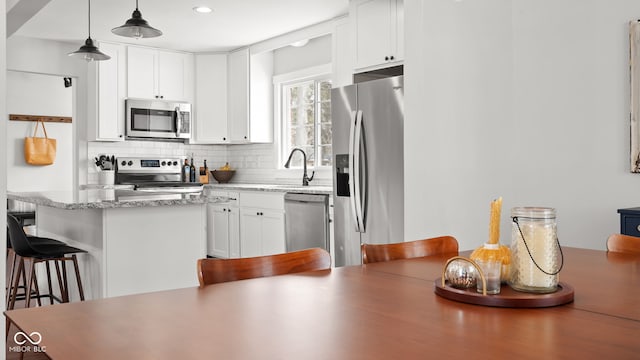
(315,73)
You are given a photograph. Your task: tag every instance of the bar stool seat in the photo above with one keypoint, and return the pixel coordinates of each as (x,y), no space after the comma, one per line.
(32,250)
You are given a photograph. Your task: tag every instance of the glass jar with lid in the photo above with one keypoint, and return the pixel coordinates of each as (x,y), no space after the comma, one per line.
(536,256)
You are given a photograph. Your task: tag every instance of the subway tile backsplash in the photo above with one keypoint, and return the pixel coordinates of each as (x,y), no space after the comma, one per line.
(254,163)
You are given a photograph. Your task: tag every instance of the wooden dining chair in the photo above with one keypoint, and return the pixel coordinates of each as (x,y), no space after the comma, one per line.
(623,243)
(410,249)
(212,271)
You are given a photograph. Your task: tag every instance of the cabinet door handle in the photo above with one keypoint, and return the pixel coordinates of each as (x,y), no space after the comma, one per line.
(638,227)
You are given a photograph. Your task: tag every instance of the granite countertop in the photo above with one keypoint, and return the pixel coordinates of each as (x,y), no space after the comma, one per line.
(316,189)
(110,198)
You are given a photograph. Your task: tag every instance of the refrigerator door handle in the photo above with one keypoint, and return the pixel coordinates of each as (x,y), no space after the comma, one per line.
(352,175)
(355,166)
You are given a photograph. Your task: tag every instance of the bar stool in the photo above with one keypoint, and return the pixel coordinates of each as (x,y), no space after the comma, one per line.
(13,262)
(35,250)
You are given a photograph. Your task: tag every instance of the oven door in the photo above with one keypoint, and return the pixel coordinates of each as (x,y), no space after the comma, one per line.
(158,119)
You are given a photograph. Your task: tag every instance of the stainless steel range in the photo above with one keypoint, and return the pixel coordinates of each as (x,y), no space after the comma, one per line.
(153,175)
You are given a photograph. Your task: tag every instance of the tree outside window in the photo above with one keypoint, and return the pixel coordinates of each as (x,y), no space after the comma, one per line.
(307,121)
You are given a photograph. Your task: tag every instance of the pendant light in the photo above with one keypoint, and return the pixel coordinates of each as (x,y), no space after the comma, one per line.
(136,27)
(88,51)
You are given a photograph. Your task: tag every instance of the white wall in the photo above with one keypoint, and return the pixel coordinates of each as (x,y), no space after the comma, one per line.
(36,94)
(522,99)
(3,161)
(50,57)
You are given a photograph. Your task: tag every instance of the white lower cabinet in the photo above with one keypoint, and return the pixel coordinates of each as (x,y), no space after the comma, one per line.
(223,228)
(261,223)
(262,232)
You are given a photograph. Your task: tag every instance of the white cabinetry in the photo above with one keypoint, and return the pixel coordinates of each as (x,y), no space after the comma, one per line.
(379,33)
(211,99)
(250,103)
(107,89)
(238,83)
(342,57)
(158,74)
(261,97)
(223,227)
(261,224)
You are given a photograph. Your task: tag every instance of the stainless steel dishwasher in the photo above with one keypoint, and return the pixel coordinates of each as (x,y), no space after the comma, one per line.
(306,221)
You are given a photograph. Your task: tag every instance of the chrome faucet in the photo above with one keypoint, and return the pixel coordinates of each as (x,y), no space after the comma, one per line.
(305,178)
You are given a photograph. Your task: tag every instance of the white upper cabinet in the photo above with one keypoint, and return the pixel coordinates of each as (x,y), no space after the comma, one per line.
(379,30)
(342,54)
(107,89)
(261,97)
(211,99)
(159,74)
(238,100)
(250,97)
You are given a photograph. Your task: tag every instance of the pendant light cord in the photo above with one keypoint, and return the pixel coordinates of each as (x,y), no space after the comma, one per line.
(136,4)
(89,16)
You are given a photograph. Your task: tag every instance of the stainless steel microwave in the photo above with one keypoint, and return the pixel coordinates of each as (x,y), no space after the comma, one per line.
(158,119)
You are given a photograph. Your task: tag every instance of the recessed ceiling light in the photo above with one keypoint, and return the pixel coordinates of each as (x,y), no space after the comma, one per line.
(202,9)
(300,43)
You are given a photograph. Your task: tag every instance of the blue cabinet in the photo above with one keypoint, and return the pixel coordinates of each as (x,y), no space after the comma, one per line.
(630,221)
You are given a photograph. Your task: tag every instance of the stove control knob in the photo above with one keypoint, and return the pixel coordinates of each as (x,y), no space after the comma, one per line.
(130,163)
(164,163)
(123,163)
(175,163)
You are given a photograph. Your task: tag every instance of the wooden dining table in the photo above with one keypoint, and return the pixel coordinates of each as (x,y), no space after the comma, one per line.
(385,310)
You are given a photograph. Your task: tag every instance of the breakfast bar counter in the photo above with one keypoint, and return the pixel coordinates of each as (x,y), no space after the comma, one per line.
(136,241)
(111,198)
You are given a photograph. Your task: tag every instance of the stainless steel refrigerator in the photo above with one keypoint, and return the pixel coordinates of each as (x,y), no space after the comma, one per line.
(368,182)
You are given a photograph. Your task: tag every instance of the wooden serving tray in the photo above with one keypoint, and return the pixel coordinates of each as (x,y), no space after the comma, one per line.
(507,297)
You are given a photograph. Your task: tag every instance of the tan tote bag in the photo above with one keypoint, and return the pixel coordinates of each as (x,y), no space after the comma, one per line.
(38,150)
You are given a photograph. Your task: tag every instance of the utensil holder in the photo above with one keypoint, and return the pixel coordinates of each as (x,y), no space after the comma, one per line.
(106,177)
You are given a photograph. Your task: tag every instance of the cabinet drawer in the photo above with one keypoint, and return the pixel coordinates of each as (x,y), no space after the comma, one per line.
(630,225)
(232,195)
(264,200)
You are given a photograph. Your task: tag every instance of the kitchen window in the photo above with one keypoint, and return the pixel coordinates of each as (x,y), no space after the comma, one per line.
(305,113)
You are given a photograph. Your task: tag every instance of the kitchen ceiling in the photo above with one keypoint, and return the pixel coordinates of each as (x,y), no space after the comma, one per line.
(232,24)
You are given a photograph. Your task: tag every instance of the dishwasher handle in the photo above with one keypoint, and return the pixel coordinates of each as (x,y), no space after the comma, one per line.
(300,197)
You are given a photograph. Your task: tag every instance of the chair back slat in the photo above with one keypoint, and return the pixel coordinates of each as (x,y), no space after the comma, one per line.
(410,249)
(212,271)
(623,243)
(18,239)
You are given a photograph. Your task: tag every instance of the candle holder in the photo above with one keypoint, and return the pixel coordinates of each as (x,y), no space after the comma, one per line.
(460,277)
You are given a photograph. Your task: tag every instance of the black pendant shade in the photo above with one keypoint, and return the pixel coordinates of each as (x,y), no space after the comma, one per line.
(136,27)
(88,51)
